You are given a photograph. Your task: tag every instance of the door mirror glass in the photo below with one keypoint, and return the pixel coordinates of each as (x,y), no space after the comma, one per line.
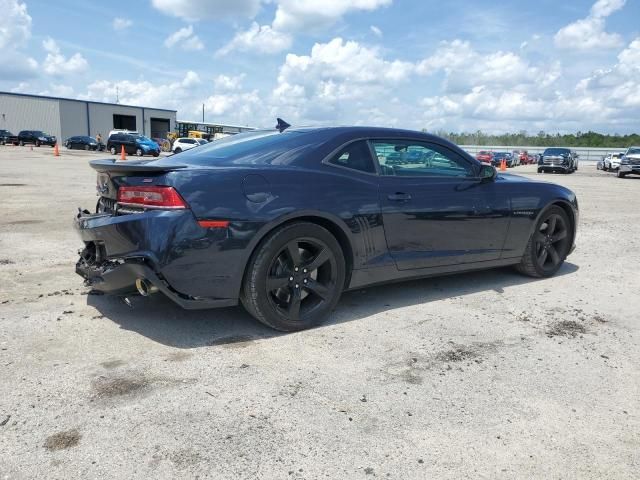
(487,173)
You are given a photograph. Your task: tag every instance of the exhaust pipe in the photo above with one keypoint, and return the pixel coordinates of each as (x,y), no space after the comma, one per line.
(145,287)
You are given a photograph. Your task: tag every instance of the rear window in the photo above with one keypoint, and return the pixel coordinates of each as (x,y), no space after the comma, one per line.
(265,147)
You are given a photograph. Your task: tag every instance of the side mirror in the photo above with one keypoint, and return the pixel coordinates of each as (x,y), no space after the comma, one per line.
(488,173)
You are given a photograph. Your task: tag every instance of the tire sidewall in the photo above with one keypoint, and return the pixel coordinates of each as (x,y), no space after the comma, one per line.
(255,295)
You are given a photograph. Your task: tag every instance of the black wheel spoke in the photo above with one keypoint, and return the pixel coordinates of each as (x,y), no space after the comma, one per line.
(559,236)
(551,224)
(555,258)
(320,259)
(274,283)
(540,238)
(294,253)
(318,289)
(543,256)
(293,310)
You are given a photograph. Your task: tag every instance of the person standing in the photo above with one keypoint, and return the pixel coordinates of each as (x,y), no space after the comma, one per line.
(99,142)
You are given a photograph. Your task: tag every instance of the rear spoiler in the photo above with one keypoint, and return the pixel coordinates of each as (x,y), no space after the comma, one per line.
(129,166)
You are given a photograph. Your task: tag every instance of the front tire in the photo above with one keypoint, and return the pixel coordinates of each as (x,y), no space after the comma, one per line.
(113,151)
(619,174)
(139,152)
(548,246)
(177,150)
(295,278)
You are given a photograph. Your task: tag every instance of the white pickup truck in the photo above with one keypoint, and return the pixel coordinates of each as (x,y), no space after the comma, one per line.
(629,163)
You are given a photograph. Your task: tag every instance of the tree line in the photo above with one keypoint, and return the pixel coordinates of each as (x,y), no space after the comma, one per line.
(543,139)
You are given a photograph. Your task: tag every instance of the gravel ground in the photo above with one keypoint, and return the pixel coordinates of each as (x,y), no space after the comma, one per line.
(483,375)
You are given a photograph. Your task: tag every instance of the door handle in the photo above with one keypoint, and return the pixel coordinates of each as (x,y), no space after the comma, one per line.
(399,197)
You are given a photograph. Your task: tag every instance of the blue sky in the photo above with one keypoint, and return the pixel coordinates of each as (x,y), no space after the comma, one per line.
(456,65)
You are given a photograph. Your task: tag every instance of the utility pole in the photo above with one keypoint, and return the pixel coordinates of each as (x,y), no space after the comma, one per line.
(203,113)
(117,94)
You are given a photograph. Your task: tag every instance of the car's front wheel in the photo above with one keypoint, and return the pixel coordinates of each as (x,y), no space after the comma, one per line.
(295,278)
(619,174)
(113,150)
(549,244)
(139,152)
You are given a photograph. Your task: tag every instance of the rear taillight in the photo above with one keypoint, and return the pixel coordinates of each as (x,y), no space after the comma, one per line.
(151,197)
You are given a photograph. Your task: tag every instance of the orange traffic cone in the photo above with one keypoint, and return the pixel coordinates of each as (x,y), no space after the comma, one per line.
(56,150)
(123,154)
(503,166)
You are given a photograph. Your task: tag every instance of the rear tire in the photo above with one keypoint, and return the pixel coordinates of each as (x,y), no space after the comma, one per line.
(177,150)
(548,246)
(113,151)
(139,152)
(295,278)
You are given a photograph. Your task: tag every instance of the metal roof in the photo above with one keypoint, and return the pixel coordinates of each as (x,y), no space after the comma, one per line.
(82,101)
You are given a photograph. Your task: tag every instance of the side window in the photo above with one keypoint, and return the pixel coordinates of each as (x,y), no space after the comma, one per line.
(355,156)
(413,159)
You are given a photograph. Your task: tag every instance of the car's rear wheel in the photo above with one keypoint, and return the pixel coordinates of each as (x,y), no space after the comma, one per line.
(295,278)
(113,150)
(139,152)
(549,244)
(177,150)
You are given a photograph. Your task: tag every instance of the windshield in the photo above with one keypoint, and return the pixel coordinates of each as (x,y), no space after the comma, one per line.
(633,151)
(39,133)
(142,138)
(556,151)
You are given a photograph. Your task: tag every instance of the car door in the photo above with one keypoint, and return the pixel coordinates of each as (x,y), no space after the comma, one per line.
(436,210)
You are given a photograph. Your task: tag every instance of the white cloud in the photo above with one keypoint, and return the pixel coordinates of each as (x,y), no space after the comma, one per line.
(15,31)
(120,23)
(588,33)
(376,31)
(57,64)
(225,83)
(261,39)
(185,39)
(194,10)
(167,95)
(58,90)
(335,78)
(295,15)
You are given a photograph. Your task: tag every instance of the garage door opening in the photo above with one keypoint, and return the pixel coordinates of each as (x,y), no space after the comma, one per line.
(159,127)
(124,122)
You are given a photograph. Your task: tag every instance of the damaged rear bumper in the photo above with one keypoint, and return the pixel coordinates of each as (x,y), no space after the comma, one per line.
(118,251)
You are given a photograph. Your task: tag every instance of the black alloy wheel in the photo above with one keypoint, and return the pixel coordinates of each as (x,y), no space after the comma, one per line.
(296,277)
(549,245)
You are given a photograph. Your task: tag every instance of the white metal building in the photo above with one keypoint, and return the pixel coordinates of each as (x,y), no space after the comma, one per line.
(64,117)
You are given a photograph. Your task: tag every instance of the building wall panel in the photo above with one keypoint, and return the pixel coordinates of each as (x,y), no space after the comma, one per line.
(30,113)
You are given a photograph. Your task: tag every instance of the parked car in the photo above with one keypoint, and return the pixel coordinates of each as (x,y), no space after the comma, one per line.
(524,157)
(36,137)
(498,157)
(133,144)
(187,143)
(6,137)
(556,159)
(630,163)
(485,156)
(82,142)
(285,222)
(612,162)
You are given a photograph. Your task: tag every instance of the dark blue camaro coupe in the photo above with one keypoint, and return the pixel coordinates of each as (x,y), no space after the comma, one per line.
(284,221)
